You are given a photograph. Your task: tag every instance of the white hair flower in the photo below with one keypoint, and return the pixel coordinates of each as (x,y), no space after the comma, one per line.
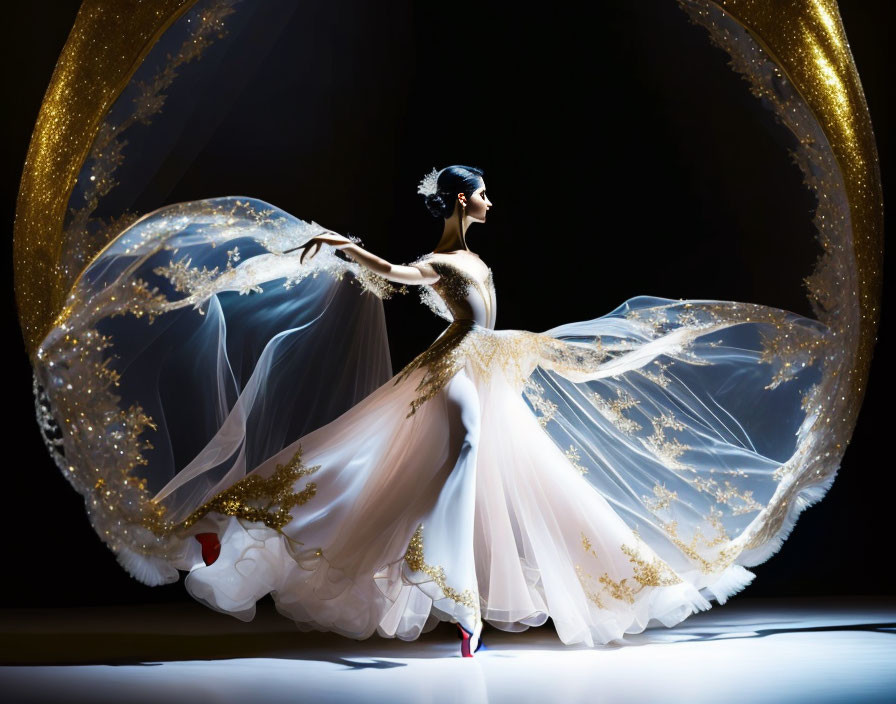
(429,184)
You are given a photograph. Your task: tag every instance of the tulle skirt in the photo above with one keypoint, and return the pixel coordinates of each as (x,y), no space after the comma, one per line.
(465,509)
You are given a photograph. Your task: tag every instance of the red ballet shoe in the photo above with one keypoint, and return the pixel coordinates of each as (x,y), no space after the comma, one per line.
(211,546)
(470,642)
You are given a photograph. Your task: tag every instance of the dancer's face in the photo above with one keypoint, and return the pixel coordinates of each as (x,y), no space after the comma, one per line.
(478,204)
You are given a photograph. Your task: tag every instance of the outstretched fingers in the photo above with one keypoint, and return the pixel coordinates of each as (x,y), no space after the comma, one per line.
(312,246)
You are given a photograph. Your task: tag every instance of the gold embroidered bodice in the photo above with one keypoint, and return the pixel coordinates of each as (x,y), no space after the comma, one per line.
(465,295)
(465,289)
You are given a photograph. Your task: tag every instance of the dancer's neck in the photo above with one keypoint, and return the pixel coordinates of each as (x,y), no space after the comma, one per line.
(454,236)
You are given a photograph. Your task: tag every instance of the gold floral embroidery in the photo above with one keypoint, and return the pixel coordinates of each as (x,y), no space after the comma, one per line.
(380,286)
(662,498)
(613,410)
(739,501)
(416,561)
(569,357)
(659,378)
(516,353)
(454,284)
(586,580)
(708,565)
(543,408)
(199,284)
(586,545)
(787,346)
(442,360)
(572,454)
(266,500)
(666,450)
(653,573)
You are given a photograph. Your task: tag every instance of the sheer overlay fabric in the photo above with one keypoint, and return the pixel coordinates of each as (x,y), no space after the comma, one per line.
(605,474)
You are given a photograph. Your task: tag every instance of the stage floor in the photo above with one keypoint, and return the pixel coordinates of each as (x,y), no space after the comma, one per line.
(748,650)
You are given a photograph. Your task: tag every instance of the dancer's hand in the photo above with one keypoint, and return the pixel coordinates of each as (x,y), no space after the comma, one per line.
(313,246)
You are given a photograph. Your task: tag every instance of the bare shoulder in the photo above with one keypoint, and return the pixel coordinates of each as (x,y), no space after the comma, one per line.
(426,268)
(428,265)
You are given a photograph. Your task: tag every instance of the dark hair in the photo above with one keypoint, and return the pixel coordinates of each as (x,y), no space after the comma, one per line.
(451,181)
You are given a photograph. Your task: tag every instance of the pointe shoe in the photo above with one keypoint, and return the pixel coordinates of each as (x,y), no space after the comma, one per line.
(470,642)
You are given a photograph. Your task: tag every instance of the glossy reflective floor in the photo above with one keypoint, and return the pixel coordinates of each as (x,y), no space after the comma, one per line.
(746,651)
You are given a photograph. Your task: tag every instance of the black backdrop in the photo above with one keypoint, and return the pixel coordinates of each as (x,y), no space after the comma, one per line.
(622,155)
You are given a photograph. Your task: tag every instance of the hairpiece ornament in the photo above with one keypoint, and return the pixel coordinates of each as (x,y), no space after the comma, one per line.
(429,185)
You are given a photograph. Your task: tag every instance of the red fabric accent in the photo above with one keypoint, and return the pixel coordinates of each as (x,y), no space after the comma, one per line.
(211,546)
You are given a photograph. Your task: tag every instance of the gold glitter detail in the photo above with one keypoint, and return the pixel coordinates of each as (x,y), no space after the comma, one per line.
(621,591)
(276,232)
(490,290)
(739,501)
(441,361)
(656,318)
(378,285)
(105,441)
(788,347)
(453,285)
(446,297)
(731,495)
(515,353)
(84,237)
(416,561)
(88,434)
(107,445)
(105,47)
(796,58)
(805,38)
(266,500)
(518,352)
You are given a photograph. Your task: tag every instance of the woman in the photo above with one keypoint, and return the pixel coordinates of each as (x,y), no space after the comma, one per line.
(606,474)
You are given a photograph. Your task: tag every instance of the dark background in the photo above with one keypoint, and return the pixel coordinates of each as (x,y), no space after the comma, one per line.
(622,155)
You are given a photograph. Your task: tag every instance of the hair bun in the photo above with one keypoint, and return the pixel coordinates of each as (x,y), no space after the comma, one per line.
(438,188)
(435,204)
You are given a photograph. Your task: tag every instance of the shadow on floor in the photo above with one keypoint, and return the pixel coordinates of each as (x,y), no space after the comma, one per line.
(111,638)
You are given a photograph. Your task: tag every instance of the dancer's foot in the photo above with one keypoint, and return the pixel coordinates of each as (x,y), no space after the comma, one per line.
(470,642)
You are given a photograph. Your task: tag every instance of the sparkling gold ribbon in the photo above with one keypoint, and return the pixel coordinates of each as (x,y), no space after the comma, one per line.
(108,42)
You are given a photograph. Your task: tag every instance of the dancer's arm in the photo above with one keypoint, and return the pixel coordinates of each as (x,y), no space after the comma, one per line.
(417,275)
